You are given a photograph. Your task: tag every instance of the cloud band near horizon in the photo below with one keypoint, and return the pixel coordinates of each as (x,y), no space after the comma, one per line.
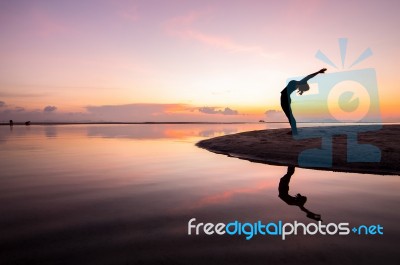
(138,112)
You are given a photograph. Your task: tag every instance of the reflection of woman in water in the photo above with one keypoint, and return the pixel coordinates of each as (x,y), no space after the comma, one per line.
(299,200)
(302,86)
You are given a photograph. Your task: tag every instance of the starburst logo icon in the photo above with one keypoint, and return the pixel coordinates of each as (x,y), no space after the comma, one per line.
(343,50)
(347,99)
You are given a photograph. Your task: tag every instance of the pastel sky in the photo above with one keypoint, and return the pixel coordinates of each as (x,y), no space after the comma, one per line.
(182,60)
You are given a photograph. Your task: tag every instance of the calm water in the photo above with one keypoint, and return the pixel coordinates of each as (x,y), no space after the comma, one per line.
(123,194)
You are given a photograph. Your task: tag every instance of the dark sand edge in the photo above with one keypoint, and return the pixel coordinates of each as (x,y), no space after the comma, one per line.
(276,147)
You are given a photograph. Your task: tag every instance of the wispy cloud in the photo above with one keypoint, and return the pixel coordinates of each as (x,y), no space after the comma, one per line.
(127,10)
(129,112)
(21,95)
(182,26)
(45,24)
(138,112)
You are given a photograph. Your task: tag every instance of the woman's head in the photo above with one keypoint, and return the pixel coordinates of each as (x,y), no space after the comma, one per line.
(302,87)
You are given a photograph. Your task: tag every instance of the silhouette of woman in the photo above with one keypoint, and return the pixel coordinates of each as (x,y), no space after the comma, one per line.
(302,86)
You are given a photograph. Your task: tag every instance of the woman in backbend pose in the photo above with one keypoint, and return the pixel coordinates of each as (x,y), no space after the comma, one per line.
(302,86)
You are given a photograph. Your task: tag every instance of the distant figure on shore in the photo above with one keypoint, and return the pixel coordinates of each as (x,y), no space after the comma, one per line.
(302,86)
(11,123)
(27,123)
(299,200)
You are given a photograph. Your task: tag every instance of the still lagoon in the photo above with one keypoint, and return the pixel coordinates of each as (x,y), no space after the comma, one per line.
(124,194)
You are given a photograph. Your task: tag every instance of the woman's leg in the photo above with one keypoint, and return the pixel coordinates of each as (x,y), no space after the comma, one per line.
(285,104)
(292,121)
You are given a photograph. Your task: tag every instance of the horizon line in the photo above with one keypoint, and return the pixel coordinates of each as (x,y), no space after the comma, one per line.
(181,122)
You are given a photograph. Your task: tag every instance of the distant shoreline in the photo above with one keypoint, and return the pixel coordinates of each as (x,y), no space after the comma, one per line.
(104,123)
(184,122)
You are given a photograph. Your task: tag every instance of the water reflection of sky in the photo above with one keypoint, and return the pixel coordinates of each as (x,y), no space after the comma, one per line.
(123,194)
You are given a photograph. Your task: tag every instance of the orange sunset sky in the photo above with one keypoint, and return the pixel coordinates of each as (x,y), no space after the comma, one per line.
(182,60)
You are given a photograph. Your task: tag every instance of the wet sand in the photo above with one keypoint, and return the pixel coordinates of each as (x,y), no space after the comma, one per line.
(277,147)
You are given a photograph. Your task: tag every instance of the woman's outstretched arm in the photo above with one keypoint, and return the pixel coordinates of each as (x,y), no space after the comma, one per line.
(305,79)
